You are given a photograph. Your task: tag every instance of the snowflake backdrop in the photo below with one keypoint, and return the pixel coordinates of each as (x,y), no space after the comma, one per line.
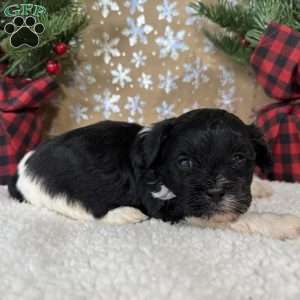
(147,60)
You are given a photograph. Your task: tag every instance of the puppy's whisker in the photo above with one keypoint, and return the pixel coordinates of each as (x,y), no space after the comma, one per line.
(237,208)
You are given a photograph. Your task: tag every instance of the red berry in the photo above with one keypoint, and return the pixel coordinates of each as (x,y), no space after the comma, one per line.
(60,48)
(53,67)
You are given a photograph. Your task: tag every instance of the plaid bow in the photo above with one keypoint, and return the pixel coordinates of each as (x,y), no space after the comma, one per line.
(276,62)
(280,123)
(20,118)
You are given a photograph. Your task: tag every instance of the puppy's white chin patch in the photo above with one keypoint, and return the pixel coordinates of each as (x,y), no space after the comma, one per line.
(163,194)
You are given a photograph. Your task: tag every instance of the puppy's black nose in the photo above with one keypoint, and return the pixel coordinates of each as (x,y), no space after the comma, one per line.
(215,195)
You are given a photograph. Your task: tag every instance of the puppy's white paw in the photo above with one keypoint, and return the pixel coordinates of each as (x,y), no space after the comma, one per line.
(123,215)
(274,226)
(261,188)
(285,227)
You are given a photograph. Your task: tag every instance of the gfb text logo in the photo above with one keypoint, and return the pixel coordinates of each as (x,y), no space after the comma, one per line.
(24,28)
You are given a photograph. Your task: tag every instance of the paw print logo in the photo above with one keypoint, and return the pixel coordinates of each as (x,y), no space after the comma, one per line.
(24,31)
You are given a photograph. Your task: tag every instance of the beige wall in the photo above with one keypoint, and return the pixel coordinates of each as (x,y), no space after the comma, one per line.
(204,76)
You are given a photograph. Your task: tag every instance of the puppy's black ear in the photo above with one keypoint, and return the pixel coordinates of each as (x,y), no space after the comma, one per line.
(263,154)
(149,142)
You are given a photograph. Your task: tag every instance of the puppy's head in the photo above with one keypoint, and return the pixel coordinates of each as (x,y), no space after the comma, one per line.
(205,158)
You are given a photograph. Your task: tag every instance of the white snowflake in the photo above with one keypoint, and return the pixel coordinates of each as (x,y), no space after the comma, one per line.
(226,76)
(192,18)
(195,73)
(208,46)
(135,5)
(107,103)
(172,43)
(107,47)
(88,74)
(134,105)
(167,11)
(165,110)
(82,77)
(145,81)
(226,99)
(168,82)
(121,75)
(78,113)
(137,31)
(106,6)
(138,59)
(227,90)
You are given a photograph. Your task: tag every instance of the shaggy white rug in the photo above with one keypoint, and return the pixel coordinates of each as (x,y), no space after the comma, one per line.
(46,256)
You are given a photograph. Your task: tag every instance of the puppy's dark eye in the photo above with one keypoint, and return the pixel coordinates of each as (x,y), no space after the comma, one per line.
(185,163)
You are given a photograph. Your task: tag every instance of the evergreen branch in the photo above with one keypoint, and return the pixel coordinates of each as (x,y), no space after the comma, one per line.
(231,45)
(249,19)
(55,6)
(64,21)
(253,37)
(232,17)
(11,70)
(296,10)
(265,11)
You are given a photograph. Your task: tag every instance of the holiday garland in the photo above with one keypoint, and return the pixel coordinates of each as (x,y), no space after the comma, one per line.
(63,21)
(244,23)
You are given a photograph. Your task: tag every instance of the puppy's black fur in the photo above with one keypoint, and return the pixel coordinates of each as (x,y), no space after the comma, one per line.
(205,157)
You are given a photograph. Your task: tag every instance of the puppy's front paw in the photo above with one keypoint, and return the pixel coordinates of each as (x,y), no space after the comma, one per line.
(286,227)
(274,226)
(261,188)
(123,215)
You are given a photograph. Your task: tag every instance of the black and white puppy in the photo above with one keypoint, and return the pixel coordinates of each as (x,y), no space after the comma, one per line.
(197,165)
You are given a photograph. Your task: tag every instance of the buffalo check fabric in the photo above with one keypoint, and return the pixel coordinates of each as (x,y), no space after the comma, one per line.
(276,62)
(20,118)
(280,123)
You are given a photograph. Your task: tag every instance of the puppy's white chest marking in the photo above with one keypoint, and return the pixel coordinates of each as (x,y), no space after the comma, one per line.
(145,130)
(163,194)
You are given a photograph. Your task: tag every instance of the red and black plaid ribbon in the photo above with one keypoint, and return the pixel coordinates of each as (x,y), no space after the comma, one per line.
(276,62)
(20,118)
(280,123)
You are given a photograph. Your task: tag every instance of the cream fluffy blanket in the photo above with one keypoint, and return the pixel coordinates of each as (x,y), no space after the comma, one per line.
(47,256)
